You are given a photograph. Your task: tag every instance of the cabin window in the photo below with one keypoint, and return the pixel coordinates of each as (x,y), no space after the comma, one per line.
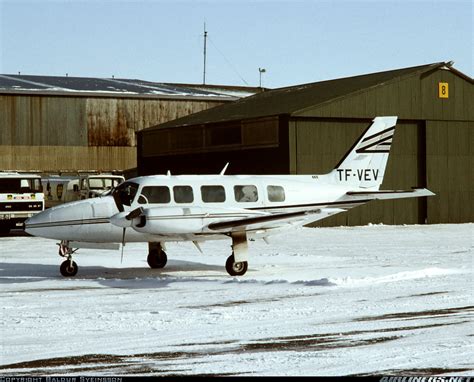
(155,194)
(276,193)
(245,194)
(213,194)
(126,193)
(183,194)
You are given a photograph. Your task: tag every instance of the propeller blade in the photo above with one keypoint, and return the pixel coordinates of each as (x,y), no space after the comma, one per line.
(117,201)
(135,213)
(123,244)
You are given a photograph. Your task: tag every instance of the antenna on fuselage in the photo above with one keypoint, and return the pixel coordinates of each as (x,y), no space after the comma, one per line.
(168,173)
(225,168)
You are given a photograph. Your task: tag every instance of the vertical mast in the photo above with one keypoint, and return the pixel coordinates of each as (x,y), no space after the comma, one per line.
(205,41)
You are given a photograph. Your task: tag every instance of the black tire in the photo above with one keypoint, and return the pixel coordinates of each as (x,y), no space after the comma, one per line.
(4,230)
(157,259)
(235,269)
(67,269)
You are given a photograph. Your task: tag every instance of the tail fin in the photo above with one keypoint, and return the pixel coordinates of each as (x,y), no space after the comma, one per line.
(364,165)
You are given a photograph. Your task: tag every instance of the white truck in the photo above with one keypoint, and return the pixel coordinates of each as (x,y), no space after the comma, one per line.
(21,196)
(60,189)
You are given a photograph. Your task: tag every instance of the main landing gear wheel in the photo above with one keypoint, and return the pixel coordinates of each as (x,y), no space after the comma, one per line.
(157,259)
(235,269)
(68,268)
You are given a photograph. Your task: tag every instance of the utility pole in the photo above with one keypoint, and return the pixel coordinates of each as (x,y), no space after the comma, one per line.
(260,71)
(205,42)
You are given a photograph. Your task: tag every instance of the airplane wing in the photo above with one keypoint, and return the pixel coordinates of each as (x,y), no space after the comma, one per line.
(311,215)
(272,220)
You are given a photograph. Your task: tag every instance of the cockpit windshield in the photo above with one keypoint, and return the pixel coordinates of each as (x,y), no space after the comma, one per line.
(125,193)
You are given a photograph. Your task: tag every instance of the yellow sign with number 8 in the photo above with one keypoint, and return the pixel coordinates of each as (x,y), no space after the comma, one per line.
(443,91)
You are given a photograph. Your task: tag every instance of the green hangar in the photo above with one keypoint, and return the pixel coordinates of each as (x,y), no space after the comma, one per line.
(306,129)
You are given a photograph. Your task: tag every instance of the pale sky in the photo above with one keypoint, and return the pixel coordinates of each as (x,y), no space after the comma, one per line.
(295,41)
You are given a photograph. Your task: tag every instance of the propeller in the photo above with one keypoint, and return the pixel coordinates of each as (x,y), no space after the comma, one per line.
(117,201)
(123,244)
(137,212)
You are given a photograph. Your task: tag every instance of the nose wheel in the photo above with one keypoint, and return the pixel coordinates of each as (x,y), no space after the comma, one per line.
(68,267)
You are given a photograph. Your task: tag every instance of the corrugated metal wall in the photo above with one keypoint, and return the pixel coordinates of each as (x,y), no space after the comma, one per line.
(115,121)
(67,133)
(66,158)
(37,121)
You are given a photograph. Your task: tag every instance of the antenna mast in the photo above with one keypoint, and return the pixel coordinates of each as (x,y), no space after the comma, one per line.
(205,41)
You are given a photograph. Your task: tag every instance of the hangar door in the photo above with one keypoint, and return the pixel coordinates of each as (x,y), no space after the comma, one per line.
(449,171)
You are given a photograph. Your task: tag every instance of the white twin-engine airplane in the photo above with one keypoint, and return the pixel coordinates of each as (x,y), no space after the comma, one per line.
(164,208)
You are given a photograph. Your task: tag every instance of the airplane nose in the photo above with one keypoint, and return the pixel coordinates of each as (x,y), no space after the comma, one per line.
(52,222)
(38,220)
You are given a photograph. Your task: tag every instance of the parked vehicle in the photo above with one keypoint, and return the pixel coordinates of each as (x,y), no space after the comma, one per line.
(21,197)
(62,189)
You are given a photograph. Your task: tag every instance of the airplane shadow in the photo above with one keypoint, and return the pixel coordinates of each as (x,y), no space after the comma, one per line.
(15,233)
(133,278)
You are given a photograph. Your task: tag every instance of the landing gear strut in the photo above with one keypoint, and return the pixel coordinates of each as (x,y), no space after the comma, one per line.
(156,256)
(236,264)
(68,267)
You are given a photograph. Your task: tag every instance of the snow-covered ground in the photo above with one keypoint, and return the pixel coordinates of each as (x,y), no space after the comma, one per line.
(326,301)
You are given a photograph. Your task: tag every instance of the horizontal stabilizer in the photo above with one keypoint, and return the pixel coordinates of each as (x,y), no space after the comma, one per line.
(392,194)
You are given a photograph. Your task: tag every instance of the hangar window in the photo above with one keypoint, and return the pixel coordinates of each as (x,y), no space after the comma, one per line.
(224,135)
(155,194)
(213,194)
(276,193)
(183,194)
(245,194)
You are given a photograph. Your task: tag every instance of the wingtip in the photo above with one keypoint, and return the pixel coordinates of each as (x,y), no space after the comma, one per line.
(423,191)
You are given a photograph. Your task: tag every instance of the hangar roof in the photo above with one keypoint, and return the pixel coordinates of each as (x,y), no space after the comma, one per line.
(290,100)
(116,87)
